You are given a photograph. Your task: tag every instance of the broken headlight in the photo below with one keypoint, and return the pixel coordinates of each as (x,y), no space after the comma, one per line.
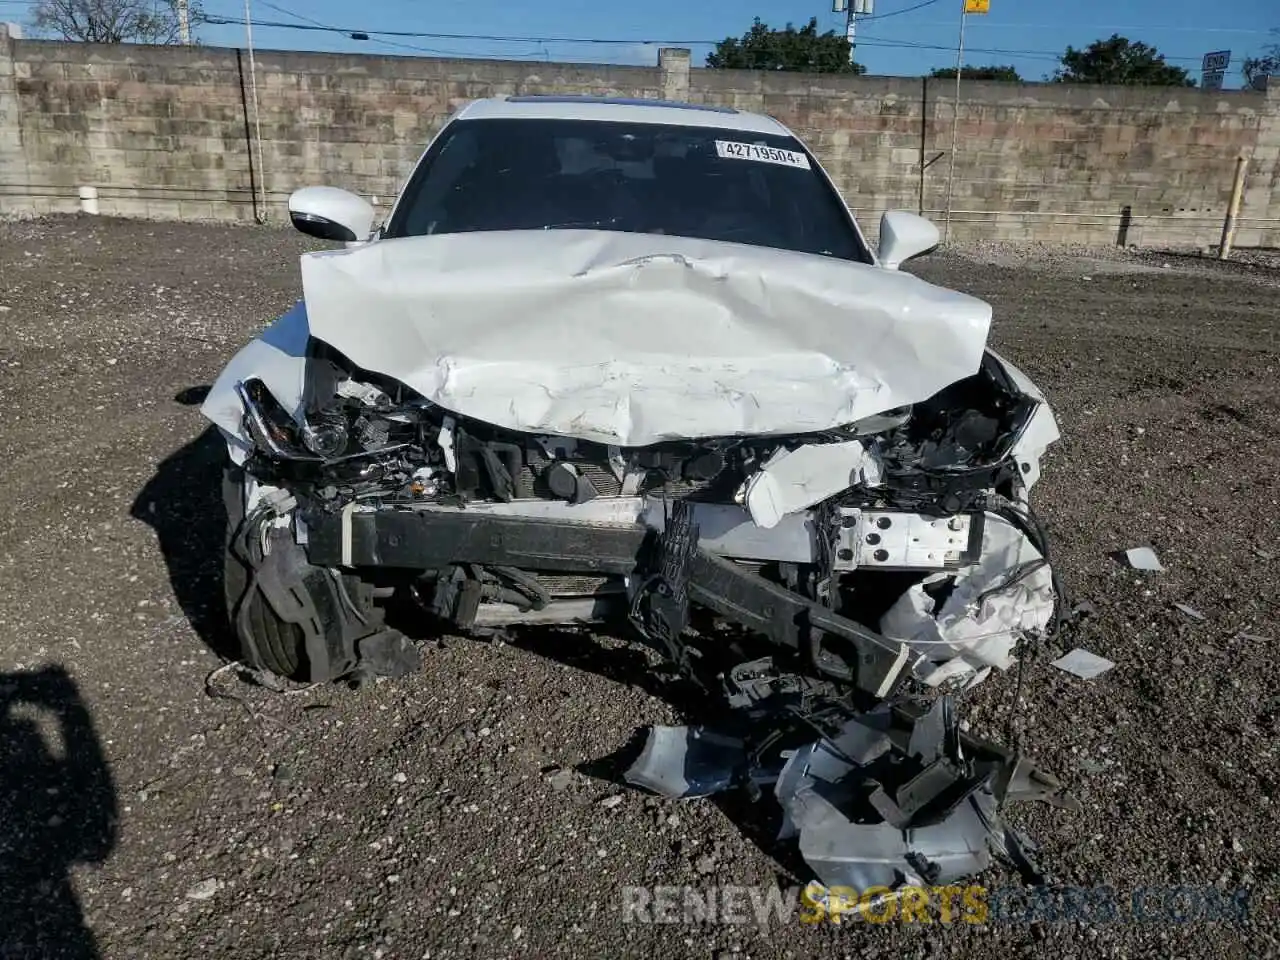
(272,429)
(326,436)
(329,433)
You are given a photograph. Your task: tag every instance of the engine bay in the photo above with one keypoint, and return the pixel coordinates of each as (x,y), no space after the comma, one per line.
(367,437)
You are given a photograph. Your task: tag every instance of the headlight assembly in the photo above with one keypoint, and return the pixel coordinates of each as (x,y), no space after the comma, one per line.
(326,437)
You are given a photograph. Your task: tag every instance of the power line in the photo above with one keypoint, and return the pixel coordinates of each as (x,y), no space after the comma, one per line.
(296,16)
(1029,54)
(365,37)
(890,44)
(378,36)
(887,42)
(1097,26)
(418,34)
(898,13)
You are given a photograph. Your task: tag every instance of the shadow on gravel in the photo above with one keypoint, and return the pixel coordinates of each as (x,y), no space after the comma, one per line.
(57,808)
(628,666)
(183,504)
(758,820)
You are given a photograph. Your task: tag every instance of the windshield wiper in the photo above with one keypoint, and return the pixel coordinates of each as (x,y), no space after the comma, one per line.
(582,224)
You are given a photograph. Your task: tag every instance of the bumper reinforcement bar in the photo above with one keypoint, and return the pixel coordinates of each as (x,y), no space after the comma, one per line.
(836,646)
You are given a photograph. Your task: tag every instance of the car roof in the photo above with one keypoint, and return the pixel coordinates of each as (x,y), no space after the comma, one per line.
(619,109)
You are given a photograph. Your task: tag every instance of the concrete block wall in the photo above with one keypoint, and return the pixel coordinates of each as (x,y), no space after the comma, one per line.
(866,131)
(13,161)
(1046,162)
(1148,165)
(173,132)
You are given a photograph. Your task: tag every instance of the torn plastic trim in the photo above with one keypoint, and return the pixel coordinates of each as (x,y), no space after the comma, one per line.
(1038,433)
(314,600)
(986,609)
(793,480)
(685,762)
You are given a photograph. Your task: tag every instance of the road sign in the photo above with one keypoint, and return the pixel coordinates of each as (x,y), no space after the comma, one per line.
(1218,60)
(977,6)
(1212,79)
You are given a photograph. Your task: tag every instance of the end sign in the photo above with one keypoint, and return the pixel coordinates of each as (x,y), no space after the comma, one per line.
(1216,61)
(1214,69)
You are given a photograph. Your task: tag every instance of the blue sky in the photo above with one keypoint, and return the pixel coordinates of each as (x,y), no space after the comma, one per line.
(891,43)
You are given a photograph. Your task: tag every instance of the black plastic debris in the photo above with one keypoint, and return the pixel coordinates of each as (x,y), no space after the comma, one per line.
(389,653)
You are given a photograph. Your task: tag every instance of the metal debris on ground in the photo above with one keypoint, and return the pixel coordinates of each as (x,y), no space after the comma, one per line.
(560,780)
(688,762)
(1085,608)
(205,889)
(1191,612)
(889,796)
(1083,664)
(1143,558)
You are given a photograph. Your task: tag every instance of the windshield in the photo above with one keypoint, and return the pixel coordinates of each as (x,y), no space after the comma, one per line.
(540,174)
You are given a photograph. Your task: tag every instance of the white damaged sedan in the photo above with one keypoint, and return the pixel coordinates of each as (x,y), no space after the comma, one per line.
(631,360)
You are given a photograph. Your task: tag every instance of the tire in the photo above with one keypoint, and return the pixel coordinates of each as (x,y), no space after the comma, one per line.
(272,644)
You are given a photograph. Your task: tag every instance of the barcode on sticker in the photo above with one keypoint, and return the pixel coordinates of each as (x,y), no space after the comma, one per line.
(753,151)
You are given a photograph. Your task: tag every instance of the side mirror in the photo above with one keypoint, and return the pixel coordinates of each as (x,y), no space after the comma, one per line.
(903,236)
(331,214)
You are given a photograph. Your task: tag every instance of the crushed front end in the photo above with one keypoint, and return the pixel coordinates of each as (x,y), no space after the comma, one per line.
(903,544)
(823,580)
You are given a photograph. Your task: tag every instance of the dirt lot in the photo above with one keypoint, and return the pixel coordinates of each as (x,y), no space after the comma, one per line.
(458,812)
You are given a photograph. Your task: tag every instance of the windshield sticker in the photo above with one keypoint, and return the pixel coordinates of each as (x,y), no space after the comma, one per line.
(753,151)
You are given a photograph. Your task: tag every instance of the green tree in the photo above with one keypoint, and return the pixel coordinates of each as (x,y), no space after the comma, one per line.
(804,50)
(1120,61)
(111,21)
(977,73)
(1257,69)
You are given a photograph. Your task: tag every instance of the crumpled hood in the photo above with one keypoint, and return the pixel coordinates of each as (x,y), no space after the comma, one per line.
(631,339)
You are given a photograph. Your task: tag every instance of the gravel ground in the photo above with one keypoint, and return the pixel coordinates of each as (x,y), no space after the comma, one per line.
(468,810)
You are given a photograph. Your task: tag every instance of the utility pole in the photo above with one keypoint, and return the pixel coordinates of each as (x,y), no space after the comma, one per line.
(955,122)
(852,12)
(184,21)
(257,114)
(966,7)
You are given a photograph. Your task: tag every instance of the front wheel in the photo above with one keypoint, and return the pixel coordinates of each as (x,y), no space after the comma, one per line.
(267,641)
